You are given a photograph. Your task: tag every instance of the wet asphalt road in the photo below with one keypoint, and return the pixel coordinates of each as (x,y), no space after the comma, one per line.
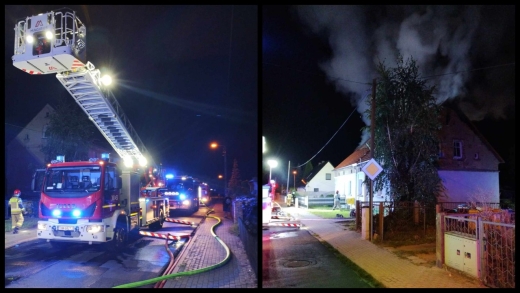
(293,258)
(37,264)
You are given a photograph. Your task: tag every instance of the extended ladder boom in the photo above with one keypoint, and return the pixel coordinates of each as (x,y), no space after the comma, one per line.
(102,108)
(55,42)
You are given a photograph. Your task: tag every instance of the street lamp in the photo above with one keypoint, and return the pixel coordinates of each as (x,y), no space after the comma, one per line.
(272,164)
(294,173)
(215,145)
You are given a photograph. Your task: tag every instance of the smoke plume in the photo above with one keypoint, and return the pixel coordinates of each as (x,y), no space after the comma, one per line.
(447,42)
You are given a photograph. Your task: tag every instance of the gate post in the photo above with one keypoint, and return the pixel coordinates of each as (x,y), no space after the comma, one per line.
(381,219)
(439,243)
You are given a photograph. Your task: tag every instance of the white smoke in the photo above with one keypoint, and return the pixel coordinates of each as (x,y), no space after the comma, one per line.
(439,38)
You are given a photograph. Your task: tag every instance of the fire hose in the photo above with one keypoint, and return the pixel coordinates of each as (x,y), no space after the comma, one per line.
(161,280)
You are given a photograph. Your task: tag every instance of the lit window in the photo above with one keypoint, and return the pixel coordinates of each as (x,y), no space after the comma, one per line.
(457,149)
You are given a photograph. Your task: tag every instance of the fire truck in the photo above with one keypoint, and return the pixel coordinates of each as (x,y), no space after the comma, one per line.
(184,193)
(99,200)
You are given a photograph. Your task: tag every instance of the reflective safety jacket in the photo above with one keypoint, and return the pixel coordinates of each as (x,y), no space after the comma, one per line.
(16,205)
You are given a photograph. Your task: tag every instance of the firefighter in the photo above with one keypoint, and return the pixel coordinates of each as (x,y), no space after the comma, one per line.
(17,211)
(289,199)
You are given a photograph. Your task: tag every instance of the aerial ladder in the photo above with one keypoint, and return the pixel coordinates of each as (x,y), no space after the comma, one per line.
(55,43)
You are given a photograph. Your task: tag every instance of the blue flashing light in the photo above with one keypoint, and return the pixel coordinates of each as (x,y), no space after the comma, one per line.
(182,196)
(76,213)
(56,213)
(169,176)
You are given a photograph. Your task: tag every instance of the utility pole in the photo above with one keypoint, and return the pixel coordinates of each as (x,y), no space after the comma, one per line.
(372,137)
(288,172)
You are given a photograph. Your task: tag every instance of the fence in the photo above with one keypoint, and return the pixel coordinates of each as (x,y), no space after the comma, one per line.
(306,202)
(245,214)
(398,219)
(250,242)
(492,232)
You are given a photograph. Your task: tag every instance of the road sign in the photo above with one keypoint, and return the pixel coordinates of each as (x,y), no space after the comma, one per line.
(372,169)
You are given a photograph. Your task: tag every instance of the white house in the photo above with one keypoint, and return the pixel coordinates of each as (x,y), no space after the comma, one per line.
(349,178)
(468,164)
(321,181)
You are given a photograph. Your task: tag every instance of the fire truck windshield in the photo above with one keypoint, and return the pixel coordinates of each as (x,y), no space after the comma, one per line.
(72,181)
(179,184)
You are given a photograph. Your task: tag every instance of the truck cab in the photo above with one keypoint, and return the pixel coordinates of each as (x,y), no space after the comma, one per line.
(182,193)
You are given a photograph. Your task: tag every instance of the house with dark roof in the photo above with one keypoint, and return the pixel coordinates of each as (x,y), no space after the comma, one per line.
(468,164)
(23,153)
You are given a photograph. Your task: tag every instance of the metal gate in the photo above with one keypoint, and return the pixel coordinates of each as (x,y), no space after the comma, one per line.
(498,254)
(495,243)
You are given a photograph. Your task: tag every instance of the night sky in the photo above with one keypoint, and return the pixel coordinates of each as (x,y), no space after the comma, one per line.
(185,76)
(318,64)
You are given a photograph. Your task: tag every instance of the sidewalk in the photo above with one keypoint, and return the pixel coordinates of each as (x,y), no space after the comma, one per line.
(383,265)
(201,251)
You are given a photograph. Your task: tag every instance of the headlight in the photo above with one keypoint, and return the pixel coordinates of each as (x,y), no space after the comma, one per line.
(42,226)
(186,202)
(95,228)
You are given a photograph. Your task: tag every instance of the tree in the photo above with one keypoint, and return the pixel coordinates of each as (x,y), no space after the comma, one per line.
(70,133)
(234,185)
(406,129)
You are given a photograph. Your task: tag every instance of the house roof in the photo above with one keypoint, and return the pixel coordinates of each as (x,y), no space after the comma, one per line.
(465,119)
(318,168)
(361,154)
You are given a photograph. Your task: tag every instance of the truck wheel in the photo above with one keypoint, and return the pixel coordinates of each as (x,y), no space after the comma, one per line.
(158,225)
(120,237)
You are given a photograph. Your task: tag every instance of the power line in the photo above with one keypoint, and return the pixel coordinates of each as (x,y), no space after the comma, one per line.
(333,134)
(369,83)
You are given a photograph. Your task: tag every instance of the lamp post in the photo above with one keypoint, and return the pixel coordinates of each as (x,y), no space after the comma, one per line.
(215,145)
(272,164)
(294,173)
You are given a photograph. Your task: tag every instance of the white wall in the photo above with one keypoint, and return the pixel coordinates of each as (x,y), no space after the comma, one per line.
(353,177)
(469,186)
(319,180)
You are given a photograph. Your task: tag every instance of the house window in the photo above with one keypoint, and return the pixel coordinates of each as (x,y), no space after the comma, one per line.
(316,189)
(327,176)
(457,149)
(44,134)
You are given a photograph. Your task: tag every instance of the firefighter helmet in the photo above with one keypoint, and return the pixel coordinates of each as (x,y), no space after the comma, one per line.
(17,192)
